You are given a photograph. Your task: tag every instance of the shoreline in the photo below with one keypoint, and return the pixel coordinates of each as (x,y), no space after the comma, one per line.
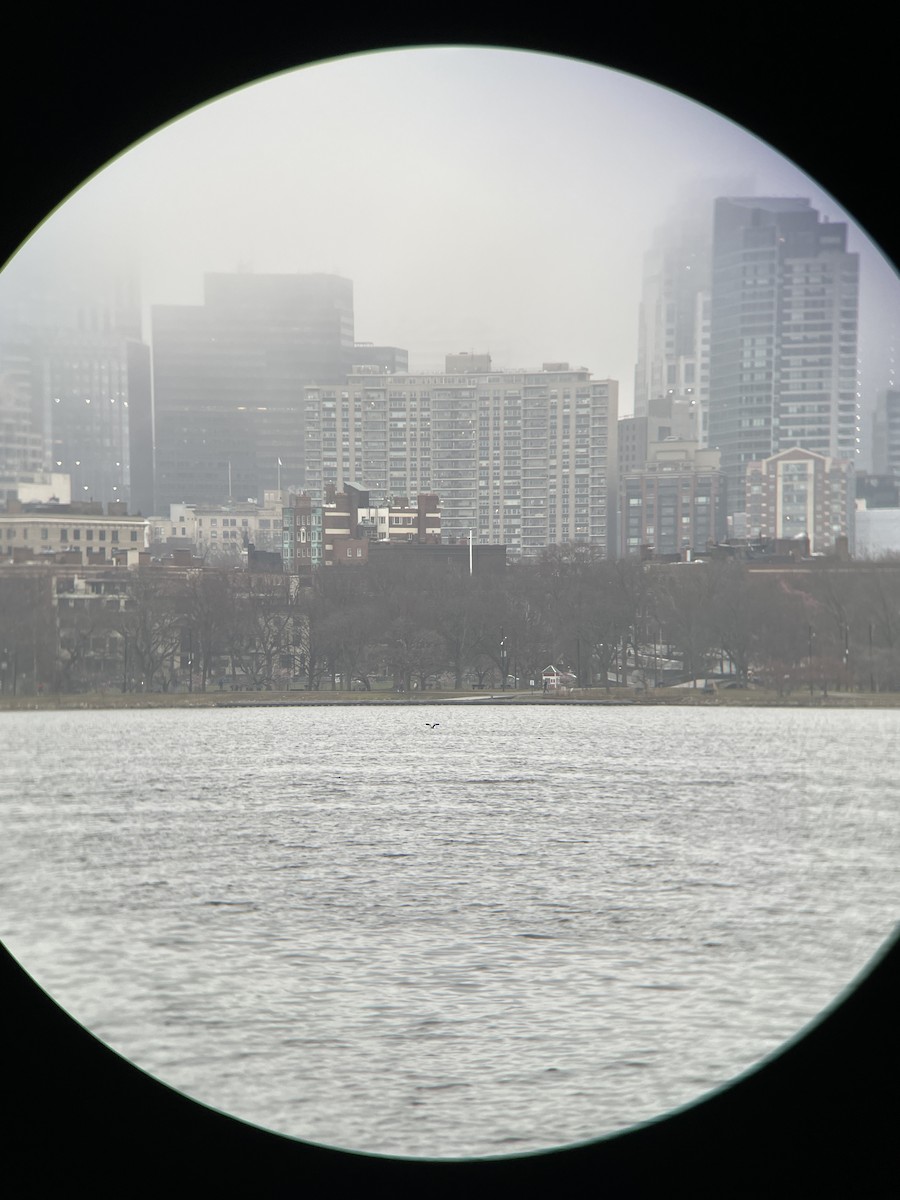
(670,697)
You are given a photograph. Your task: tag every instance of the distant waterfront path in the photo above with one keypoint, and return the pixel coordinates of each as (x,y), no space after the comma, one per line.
(678,697)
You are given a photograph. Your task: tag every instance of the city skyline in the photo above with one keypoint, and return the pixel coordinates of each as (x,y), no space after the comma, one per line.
(507,211)
(823,95)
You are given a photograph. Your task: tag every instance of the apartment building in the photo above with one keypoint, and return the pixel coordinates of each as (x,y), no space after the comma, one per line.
(798,493)
(522,458)
(341,531)
(675,501)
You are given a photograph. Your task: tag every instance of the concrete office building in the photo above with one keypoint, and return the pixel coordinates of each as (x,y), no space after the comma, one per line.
(667,417)
(228,378)
(783,335)
(86,531)
(527,459)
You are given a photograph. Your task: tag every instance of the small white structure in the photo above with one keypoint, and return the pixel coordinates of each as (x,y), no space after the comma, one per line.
(554,679)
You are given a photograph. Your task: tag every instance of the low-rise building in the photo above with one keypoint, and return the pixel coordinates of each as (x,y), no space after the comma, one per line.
(341,530)
(217,531)
(877,532)
(86,529)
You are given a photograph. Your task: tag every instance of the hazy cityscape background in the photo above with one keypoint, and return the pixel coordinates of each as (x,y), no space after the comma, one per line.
(593,397)
(487,200)
(440,296)
(479,199)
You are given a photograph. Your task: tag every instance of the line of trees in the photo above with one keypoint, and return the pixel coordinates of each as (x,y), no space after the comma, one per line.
(420,625)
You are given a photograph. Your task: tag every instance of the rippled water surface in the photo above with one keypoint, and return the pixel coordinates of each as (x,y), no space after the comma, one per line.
(525,927)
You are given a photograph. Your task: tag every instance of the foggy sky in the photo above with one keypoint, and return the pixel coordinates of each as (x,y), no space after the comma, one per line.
(479,199)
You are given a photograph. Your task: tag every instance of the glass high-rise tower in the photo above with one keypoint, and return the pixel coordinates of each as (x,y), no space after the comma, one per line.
(783,335)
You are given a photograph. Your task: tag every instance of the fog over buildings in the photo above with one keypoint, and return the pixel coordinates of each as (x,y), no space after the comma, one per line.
(484,199)
(492,201)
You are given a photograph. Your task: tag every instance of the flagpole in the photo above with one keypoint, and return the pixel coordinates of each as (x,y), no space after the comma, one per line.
(279,477)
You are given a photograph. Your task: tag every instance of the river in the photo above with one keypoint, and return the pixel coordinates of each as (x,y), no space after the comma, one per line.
(448,931)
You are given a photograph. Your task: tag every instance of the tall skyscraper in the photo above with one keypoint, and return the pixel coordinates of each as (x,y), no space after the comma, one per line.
(73,345)
(674,310)
(783,335)
(673,317)
(228,380)
(87,381)
(525,459)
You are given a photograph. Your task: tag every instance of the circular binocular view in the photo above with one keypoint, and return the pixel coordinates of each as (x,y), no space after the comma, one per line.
(449,602)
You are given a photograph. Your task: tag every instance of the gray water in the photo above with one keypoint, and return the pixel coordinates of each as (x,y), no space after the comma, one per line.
(524,928)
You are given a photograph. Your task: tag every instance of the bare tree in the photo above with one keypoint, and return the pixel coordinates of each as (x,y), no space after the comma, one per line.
(209,612)
(735,616)
(261,628)
(684,597)
(28,644)
(150,629)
